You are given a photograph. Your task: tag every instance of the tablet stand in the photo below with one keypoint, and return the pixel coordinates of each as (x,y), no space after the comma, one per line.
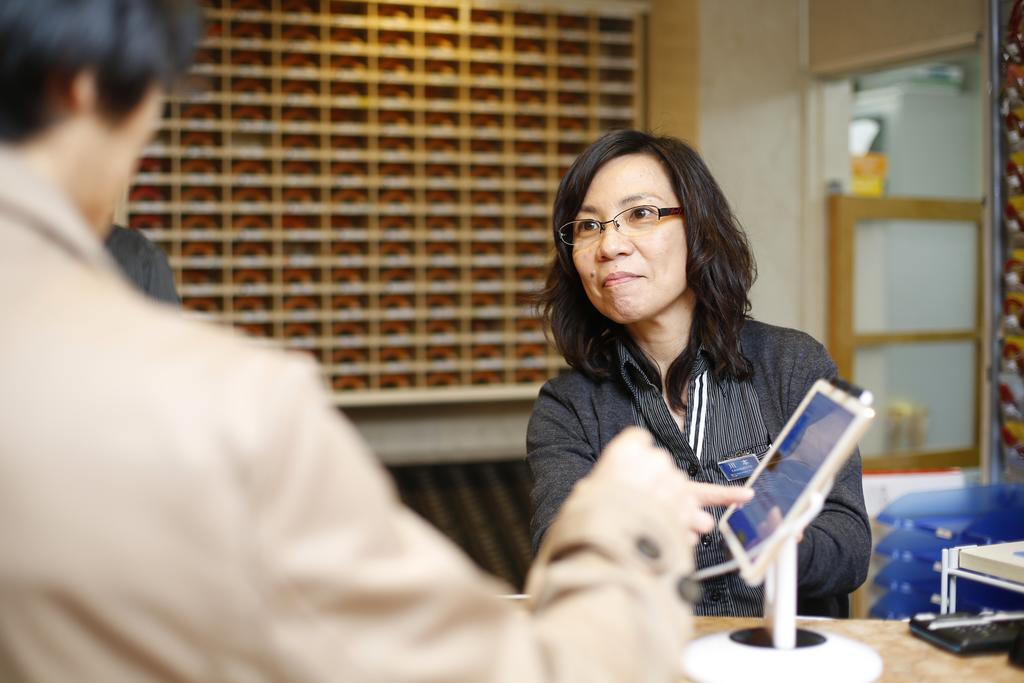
(780,651)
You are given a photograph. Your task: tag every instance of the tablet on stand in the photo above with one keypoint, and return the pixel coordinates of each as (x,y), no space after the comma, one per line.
(790,486)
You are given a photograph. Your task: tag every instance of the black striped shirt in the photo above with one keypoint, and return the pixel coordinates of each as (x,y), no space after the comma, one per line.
(722,421)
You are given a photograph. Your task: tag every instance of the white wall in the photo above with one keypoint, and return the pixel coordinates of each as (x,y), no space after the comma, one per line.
(751,135)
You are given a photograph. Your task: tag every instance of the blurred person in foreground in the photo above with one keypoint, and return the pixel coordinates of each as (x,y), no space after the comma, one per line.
(177,504)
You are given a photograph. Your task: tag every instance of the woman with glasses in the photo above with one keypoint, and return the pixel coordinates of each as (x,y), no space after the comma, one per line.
(647,300)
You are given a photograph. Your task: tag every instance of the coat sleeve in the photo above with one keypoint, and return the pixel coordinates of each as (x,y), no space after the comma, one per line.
(360,589)
(834,554)
(560,453)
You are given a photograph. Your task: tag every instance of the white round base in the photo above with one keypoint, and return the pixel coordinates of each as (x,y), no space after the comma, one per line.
(717,659)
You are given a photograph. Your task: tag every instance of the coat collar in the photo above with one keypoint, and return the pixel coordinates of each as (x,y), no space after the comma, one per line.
(36,204)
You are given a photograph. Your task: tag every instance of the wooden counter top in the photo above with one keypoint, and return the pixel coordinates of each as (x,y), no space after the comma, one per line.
(906,659)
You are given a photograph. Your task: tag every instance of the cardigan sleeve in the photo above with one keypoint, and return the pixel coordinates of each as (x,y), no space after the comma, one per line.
(560,453)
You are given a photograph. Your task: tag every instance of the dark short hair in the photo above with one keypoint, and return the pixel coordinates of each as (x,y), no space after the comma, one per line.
(719,269)
(131,44)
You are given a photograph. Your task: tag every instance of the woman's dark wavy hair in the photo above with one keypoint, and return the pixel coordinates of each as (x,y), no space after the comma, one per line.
(719,270)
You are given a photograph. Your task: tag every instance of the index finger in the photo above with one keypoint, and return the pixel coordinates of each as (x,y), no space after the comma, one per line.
(709,495)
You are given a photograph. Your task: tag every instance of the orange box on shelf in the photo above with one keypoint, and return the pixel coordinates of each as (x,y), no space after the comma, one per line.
(572,22)
(195,276)
(529,376)
(350,195)
(396,222)
(294,330)
(141,221)
(524,351)
(483,43)
(344,302)
(441,197)
(300,276)
(441,379)
(485,69)
(397,196)
(572,47)
(348,356)
(348,329)
(442,171)
(485,146)
(149,193)
(264,330)
(441,14)
(344,383)
(248,30)
(485,94)
(202,194)
(200,112)
(395,302)
(300,195)
(395,65)
(201,138)
(441,327)
(301,303)
(303,168)
(393,11)
(530,71)
(396,381)
(299,88)
(251,304)
(441,41)
(250,249)
(300,115)
(251,276)
(155,165)
(258,58)
(297,142)
(299,34)
(346,63)
(251,195)
(200,249)
(485,377)
(396,354)
(201,304)
(440,67)
(528,325)
(200,166)
(251,222)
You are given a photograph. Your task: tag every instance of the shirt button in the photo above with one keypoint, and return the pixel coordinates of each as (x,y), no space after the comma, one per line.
(692,470)
(705,540)
(648,548)
(715,596)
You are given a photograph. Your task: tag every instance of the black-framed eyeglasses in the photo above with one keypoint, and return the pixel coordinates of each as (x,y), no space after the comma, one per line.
(632,222)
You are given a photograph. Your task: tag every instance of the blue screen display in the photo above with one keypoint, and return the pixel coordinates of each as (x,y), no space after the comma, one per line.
(783,480)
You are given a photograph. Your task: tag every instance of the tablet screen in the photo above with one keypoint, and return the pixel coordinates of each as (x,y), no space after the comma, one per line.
(778,486)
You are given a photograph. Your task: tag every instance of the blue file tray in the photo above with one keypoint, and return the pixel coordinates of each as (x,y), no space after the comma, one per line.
(921,579)
(912,544)
(973,515)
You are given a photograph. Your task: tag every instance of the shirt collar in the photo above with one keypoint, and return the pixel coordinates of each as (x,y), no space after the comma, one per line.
(36,204)
(635,378)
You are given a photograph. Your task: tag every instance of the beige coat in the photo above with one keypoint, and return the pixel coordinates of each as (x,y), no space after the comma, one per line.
(178,504)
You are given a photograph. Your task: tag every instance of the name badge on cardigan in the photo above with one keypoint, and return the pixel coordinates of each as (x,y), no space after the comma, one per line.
(743,465)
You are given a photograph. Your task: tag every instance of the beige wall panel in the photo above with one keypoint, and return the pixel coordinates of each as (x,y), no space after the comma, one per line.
(751,128)
(845,36)
(673,72)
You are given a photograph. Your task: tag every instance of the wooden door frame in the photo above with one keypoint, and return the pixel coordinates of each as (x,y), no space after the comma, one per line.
(844,212)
